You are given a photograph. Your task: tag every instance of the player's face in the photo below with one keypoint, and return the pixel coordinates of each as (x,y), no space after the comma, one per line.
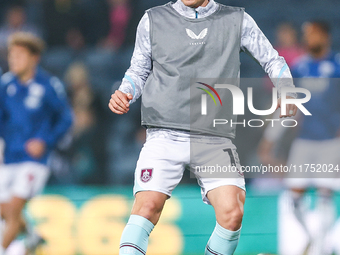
(21,60)
(195,3)
(286,36)
(315,38)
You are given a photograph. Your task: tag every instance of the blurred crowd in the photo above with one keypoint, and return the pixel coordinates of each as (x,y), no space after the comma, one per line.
(89,46)
(90,43)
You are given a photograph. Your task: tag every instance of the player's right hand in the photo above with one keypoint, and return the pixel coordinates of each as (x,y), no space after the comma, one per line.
(119,102)
(36,148)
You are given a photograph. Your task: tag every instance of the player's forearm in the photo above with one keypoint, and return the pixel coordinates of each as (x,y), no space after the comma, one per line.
(254,42)
(275,131)
(279,73)
(141,63)
(134,80)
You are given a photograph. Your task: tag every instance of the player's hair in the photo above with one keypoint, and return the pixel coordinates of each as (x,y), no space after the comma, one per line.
(33,43)
(15,7)
(287,24)
(322,25)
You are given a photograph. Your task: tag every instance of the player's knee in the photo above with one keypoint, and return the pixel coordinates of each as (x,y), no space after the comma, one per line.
(150,210)
(231,218)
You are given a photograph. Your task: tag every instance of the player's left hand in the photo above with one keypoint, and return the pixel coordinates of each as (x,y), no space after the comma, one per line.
(35,148)
(291,109)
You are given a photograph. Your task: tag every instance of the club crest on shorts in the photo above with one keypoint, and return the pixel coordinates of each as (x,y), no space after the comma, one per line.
(146,175)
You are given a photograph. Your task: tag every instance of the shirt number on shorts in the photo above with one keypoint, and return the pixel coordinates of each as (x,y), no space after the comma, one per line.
(233,161)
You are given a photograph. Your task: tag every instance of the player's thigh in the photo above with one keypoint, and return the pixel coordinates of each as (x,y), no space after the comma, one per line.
(7,175)
(160,165)
(217,165)
(30,180)
(13,209)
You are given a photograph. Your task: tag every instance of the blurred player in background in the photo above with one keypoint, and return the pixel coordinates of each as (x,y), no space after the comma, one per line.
(318,141)
(287,43)
(34,115)
(177,42)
